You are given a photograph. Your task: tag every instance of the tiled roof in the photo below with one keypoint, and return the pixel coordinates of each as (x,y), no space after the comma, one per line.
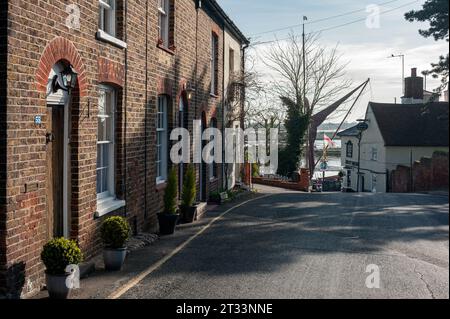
(413,124)
(352,131)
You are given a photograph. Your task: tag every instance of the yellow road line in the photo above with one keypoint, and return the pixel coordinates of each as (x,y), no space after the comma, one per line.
(136,280)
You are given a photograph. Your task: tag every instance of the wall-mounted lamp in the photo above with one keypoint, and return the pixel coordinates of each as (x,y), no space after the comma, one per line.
(190,92)
(362,126)
(69,80)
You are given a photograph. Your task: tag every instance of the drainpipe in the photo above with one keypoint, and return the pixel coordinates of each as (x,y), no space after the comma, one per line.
(198,5)
(146,114)
(242,102)
(224,173)
(125,92)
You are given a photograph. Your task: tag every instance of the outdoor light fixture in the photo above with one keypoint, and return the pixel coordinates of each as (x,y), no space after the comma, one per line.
(190,92)
(362,126)
(69,80)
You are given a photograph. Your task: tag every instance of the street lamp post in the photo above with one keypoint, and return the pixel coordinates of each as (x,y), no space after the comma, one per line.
(362,126)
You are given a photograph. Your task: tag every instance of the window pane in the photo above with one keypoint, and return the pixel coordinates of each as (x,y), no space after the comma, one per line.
(103,152)
(161,138)
(105,148)
(104,129)
(101,103)
(109,102)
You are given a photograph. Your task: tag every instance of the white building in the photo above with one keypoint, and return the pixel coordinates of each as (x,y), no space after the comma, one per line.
(233,76)
(397,134)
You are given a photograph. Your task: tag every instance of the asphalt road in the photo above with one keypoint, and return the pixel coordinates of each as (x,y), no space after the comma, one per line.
(295,245)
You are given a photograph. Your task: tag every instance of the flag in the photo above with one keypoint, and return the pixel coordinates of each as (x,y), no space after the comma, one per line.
(305,18)
(328,142)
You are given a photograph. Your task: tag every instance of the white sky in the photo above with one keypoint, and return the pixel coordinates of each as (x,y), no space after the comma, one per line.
(365,48)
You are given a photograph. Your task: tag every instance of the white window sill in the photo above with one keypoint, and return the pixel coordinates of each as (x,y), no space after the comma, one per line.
(108,205)
(103,36)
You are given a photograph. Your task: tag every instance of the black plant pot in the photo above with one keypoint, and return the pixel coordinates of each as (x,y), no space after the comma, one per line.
(167,223)
(188,214)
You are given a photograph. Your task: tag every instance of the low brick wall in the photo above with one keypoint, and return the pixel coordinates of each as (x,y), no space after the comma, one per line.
(428,174)
(280,184)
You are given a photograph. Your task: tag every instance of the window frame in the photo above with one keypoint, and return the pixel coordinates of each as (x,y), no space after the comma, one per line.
(231,62)
(374,154)
(104,8)
(162,145)
(164,22)
(214,64)
(349,149)
(111,191)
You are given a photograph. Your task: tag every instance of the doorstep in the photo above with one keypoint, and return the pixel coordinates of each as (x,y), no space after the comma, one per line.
(101,284)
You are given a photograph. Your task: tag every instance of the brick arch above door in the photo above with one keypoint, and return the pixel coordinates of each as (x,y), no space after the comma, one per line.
(57,50)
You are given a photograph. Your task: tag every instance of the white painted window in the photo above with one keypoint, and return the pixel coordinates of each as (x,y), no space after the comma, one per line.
(107,17)
(374,154)
(349,149)
(164,15)
(214,62)
(161,143)
(106,143)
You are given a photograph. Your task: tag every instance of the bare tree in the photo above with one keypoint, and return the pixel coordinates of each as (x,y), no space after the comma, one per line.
(303,95)
(243,95)
(324,72)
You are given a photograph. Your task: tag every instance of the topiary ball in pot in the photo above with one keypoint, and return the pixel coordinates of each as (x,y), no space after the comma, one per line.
(57,255)
(115,232)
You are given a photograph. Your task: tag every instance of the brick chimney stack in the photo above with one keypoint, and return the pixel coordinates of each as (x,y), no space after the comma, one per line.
(413,88)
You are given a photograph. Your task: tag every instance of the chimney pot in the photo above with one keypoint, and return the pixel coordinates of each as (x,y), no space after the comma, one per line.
(414,72)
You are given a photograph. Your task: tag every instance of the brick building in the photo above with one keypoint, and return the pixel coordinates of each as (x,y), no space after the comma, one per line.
(68,158)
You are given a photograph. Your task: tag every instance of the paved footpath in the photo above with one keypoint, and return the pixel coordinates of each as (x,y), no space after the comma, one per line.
(296,245)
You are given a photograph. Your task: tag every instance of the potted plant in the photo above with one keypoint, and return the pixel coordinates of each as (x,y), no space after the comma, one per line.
(215,198)
(218,198)
(169,218)
(188,209)
(115,232)
(57,255)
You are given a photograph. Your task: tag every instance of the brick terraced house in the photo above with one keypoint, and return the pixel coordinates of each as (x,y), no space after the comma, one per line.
(70,157)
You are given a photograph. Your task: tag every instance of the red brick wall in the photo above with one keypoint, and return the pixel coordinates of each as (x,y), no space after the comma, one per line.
(428,174)
(37,38)
(440,171)
(280,184)
(3,93)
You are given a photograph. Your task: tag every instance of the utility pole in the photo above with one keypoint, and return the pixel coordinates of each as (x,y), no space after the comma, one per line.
(402,56)
(307,155)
